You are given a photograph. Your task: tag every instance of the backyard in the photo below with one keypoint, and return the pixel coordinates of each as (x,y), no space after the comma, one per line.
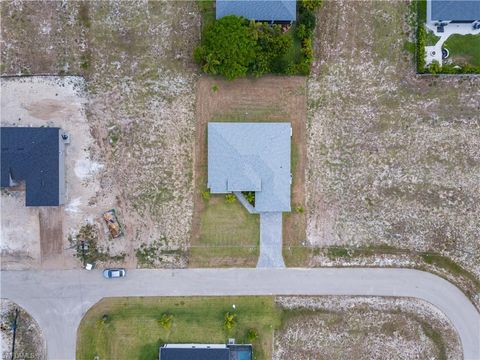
(270,98)
(464,49)
(280,328)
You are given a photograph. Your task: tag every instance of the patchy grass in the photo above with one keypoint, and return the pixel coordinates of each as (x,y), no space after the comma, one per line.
(132,327)
(464,49)
(228,235)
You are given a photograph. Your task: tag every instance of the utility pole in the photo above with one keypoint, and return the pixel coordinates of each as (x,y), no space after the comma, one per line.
(14,328)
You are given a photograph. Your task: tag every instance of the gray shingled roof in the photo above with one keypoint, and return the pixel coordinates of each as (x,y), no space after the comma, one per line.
(260,10)
(455,10)
(33,155)
(251,157)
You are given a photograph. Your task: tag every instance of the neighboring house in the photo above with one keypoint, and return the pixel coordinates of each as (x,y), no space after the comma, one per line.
(251,157)
(205,352)
(273,11)
(456,11)
(35,156)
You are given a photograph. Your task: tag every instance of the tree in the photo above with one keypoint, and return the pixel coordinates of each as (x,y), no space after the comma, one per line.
(166,321)
(228,47)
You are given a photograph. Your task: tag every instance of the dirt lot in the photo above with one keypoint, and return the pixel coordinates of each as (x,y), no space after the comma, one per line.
(360,328)
(393,158)
(136,58)
(271,98)
(34,237)
(29,341)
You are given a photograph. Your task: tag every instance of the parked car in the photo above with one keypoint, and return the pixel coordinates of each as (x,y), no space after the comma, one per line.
(114,273)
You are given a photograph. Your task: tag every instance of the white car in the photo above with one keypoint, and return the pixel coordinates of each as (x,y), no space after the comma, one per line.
(114,273)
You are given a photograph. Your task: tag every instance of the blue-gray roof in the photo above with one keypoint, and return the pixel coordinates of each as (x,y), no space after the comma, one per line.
(259,10)
(455,10)
(32,155)
(251,157)
(168,353)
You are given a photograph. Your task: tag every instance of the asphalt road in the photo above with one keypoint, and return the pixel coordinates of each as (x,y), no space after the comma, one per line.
(59,299)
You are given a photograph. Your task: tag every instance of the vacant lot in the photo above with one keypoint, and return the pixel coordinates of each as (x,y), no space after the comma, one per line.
(129,328)
(287,327)
(136,58)
(359,328)
(393,158)
(272,98)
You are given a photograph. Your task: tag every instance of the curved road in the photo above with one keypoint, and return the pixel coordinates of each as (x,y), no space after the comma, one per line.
(59,299)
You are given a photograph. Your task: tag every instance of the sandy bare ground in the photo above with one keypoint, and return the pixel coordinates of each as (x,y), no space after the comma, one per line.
(364,328)
(29,341)
(136,58)
(38,236)
(393,158)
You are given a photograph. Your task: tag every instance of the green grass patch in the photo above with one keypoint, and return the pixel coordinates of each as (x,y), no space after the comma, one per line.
(207,9)
(132,327)
(228,235)
(436,337)
(464,48)
(450,266)
(430,38)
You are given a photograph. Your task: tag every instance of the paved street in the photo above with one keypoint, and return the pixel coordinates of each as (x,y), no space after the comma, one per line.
(59,299)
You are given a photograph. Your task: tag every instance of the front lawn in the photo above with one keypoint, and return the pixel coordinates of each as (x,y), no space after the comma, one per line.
(228,235)
(129,328)
(464,49)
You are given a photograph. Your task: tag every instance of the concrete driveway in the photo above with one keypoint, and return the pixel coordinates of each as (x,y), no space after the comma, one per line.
(59,299)
(270,241)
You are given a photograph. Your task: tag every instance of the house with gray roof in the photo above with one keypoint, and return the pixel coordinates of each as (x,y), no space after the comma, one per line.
(34,156)
(251,157)
(457,11)
(273,11)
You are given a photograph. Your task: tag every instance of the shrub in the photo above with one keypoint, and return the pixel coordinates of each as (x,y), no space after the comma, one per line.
(310,4)
(252,335)
(230,198)
(229,320)
(421,42)
(166,321)
(250,197)
(206,195)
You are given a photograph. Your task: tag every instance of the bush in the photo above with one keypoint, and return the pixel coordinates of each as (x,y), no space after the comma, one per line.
(229,320)
(250,197)
(166,321)
(230,198)
(310,4)
(206,195)
(252,335)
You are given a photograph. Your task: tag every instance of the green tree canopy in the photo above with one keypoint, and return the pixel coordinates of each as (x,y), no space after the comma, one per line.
(228,47)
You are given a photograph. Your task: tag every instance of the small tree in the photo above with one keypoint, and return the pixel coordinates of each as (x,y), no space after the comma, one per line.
(230,320)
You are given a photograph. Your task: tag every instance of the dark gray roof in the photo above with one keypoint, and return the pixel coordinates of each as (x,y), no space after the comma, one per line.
(260,10)
(251,157)
(455,10)
(32,155)
(168,353)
